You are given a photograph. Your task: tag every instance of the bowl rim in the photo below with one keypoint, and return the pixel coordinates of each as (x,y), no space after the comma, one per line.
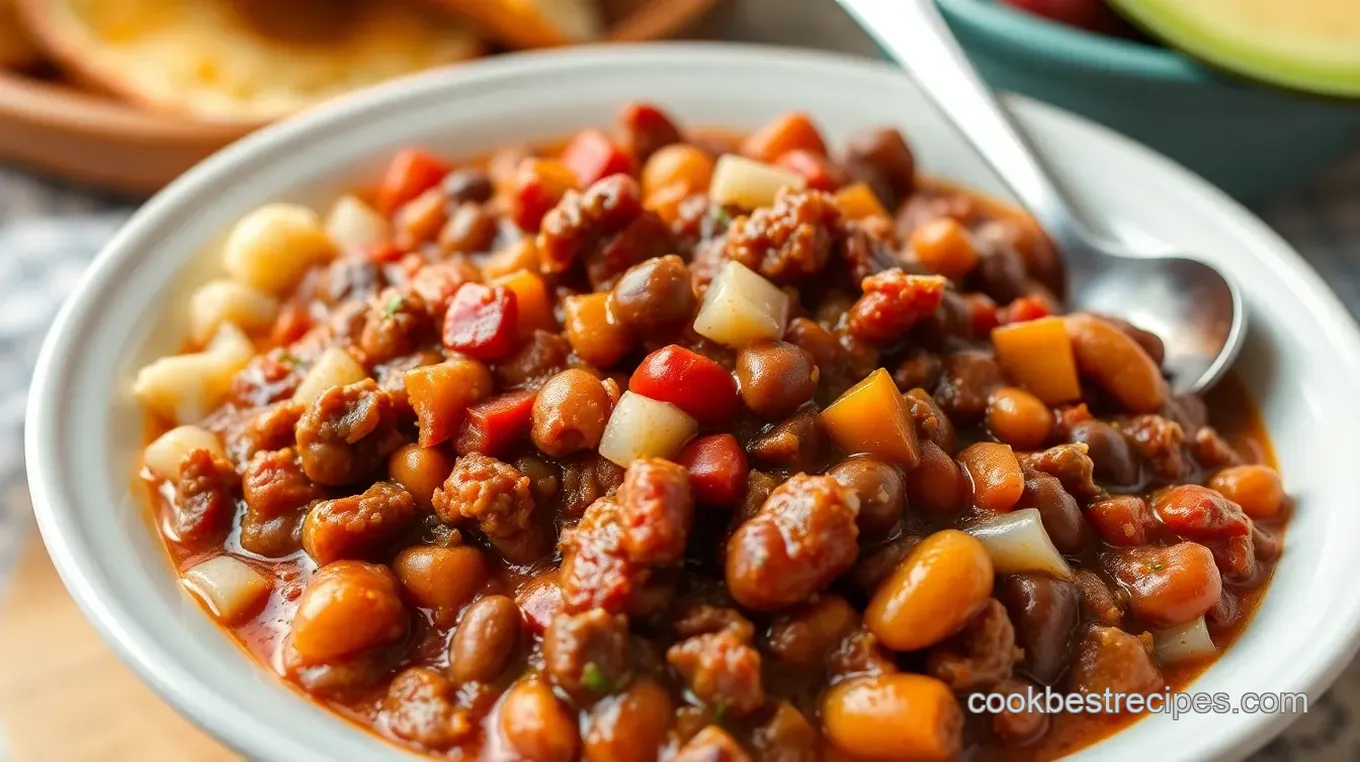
(57,366)
(1024,33)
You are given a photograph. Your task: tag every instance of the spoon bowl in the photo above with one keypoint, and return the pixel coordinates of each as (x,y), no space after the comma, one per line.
(1190,305)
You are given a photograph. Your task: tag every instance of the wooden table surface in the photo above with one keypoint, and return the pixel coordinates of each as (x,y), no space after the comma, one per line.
(64,695)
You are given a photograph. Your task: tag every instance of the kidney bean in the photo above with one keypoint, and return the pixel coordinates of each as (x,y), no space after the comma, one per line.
(1018,418)
(902,716)
(775,378)
(1108,450)
(967,379)
(1116,363)
(1255,488)
(348,607)
(1062,517)
(536,725)
(803,537)
(485,640)
(1045,611)
(997,479)
(881,491)
(630,726)
(570,413)
(937,485)
(1167,585)
(654,296)
(933,593)
(1199,513)
(442,579)
(1122,520)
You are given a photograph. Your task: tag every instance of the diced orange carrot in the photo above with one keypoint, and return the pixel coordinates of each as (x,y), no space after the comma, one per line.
(943,246)
(858,202)
(520,255)
(597,336)
(1037,354)
(872,417)
(537,187)
(790,132)
(441,394)
(531,297)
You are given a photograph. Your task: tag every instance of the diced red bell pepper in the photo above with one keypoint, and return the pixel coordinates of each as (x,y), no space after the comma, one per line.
(437,282)
(646,129)
(592,156)
(982,313)
(494,426)
(411,173)
(482,321)
(690,381)
(816,169)
(293,321)
(717,468)
(1025,308)
(386,253)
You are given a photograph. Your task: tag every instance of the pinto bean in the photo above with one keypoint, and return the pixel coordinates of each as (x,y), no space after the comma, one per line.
(1114,361)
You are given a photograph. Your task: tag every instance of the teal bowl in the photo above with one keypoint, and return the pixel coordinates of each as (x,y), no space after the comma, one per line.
(1251,140)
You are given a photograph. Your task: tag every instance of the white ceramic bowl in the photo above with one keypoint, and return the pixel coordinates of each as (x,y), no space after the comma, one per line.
(1302,359)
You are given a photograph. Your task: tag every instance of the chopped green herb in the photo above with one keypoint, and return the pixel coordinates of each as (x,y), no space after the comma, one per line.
(594,679)
(719,712)
(393,304)
(721,214)
(290,359)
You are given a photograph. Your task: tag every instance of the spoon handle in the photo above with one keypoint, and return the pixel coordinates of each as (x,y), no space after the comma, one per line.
(914,33)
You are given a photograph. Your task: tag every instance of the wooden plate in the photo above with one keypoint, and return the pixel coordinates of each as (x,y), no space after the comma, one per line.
(94,140)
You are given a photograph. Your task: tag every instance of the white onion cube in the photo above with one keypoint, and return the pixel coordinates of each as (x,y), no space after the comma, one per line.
(335,367)
(641,427)
(353,224)
(273,246)
(163,456)
(741,307)
(226,301)
(185,388)
(1185,643)
(230,589)
(1018,543)
(749,184)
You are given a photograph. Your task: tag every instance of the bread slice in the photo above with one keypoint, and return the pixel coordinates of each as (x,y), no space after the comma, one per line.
(535,23)
(17,50)
(243,62)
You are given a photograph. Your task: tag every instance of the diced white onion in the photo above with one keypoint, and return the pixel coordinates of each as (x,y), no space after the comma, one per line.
(185,388)
(1017,542)
(741,307)
(272,247)
(226,301)
(1188,642)
(335,367)
(353,224)
(231,346)
(641,427)
(163,456)
(230,589)
(749,184)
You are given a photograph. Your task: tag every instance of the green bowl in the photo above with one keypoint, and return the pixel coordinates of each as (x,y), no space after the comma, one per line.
(1251,140)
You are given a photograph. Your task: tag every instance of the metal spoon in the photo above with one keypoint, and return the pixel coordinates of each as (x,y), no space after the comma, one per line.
(1195,309)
